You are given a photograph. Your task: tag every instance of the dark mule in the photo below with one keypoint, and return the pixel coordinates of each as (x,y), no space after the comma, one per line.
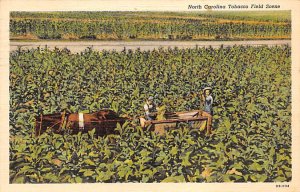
(104,121)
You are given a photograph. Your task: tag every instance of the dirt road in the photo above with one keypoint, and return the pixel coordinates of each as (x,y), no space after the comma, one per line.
(78,46)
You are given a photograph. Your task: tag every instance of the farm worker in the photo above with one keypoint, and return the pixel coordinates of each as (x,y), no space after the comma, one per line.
(208,102)
(150,109)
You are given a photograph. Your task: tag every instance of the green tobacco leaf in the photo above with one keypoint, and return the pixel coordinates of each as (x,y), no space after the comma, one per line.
(92,133)
(119,128)
(19,179)
(174,151)
(288,174)
(159,159)
(63,170)
(89,162)
(144,153)
(88,173)
(227,123)
(262,178)
(174,179)
(107,152)
(226,178)
(234,139)
(129,162)
(190,141)
(253,177)
(185,159)
(26,169)
(148,172)
(255,167)
(145,179)
(51,177)
(78,180)
(280,179)
(93,154)
(57,145)
(238,165)
(45,170)
(122,173)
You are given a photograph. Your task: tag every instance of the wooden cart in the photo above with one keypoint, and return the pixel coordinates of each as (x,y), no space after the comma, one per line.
(172,119)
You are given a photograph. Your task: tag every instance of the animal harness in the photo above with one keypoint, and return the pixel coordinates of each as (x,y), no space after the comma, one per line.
(81,121)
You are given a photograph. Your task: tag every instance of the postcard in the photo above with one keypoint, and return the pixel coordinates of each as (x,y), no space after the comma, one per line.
(149,95)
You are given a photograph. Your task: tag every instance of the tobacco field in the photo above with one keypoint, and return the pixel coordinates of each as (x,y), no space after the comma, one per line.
(251,140)
(150,25)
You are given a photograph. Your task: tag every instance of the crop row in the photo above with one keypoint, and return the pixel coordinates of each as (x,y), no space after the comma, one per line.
(144,26)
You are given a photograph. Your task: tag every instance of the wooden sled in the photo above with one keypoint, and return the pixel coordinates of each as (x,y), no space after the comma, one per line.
(172,119)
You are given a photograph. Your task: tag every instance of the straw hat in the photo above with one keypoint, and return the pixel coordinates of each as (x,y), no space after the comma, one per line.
(150,98)
(207,88)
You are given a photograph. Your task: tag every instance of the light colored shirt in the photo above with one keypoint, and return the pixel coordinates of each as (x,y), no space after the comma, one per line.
(208,104)
(149,108)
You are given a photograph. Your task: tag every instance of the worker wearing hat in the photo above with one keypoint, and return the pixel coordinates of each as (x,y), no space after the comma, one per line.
(208,102)
(150,109)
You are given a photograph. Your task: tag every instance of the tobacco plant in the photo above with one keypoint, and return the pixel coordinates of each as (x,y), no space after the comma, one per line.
(251,140)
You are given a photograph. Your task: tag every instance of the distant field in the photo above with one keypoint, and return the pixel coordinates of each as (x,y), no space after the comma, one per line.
(150,25)
(268,16)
